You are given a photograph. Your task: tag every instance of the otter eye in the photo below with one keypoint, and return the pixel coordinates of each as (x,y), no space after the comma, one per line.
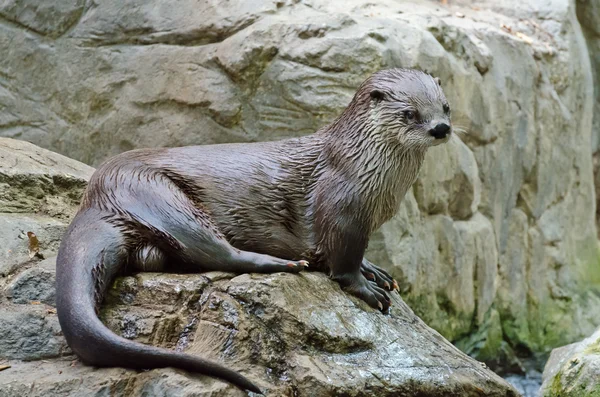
(446,108)
(377,95)
(410,115)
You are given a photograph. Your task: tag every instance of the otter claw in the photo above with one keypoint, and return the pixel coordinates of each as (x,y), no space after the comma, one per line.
(297,266)
(396,286)
(387,285)
(304,263)
(370,276)
(380,305)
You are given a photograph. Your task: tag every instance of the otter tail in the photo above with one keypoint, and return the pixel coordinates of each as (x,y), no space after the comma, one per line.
(90,256)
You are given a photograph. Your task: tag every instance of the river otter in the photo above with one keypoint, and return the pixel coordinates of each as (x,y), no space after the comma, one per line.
(253,207)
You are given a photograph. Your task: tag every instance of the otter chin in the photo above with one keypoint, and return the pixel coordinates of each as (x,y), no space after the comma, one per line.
(254,207)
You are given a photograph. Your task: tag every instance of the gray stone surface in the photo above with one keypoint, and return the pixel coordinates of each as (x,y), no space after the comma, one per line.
(39,193)
(588,12)
(34,180)
(29,333)
(449,182)
(14,242)
(35,284)
(51,19)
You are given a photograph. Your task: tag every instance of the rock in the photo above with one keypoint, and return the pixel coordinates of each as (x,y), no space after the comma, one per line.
(65,377)
(449,182)
(39,193)
(588,12)
(30,333)
(48,19)
(574,370)
(15,243)
(36,284)
(287,332)
(448,271)
(34,180)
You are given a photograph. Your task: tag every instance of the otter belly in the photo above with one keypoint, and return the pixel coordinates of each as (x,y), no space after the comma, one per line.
(261,224)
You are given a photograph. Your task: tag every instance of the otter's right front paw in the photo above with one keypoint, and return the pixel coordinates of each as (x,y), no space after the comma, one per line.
(360,287)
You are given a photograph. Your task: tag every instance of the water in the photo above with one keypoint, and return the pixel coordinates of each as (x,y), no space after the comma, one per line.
(528,384)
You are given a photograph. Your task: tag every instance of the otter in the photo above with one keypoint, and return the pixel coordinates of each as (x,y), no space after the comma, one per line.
(250,207)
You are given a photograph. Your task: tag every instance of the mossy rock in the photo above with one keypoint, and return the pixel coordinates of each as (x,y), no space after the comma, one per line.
(574,370)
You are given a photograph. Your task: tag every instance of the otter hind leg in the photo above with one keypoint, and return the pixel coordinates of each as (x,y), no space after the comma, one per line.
(246,262)
(185,231)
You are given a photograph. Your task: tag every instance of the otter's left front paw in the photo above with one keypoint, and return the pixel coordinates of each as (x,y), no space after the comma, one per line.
(378,276)
(360,287)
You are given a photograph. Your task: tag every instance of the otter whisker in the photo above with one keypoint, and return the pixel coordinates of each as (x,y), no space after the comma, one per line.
(460,129)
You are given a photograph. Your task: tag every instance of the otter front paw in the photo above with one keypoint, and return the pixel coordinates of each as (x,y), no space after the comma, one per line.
(378,276)
(359,286)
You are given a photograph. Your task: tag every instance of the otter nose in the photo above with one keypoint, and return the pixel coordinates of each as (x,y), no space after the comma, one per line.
(440,131)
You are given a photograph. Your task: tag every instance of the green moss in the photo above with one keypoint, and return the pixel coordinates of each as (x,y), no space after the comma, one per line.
(593,348)
(556,388)
(588,255)
(547,321)
(516,330)
(572,380)
(485,342)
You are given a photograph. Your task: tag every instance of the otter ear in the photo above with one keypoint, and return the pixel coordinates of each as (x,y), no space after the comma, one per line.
(377,95)
(437,80)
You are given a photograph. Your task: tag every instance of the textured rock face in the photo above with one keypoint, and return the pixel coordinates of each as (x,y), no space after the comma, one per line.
(294,335)
(588,12)
(495,244)
(574,370)
(39,192)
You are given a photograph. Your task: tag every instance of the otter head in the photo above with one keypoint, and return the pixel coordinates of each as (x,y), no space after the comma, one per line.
(408,106)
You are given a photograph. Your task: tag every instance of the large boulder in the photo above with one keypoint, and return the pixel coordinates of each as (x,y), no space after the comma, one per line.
(295,334)
(574,370)
(292,334)
(495,247)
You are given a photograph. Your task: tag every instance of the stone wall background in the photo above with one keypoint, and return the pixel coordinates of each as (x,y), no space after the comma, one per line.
(495,247)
